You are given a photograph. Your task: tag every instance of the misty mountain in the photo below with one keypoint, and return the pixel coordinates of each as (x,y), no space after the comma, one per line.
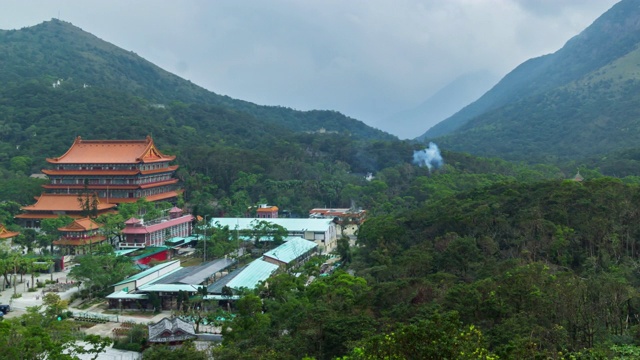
(57,50)
(579,101)
(444,103)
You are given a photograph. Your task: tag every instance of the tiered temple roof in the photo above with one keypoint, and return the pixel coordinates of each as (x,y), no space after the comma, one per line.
(111,151)
(6,234)
(80,232)
(54,205)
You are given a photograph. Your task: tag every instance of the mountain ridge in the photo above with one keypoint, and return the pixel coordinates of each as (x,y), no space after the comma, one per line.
(507,121)
(46,50)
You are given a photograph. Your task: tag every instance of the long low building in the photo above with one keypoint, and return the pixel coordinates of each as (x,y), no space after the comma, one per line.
(322,231)
(291,254)
(166,280)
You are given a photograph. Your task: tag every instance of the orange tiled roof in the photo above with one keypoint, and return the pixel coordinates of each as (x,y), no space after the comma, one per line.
(90,172)
(84,224)
(80,242)
(61,202)
(111,151)
(166,195)
(268,209)
(44,216)
(5,234)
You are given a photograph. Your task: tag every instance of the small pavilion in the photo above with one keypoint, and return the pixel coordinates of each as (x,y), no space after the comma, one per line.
(173,331)
(78,237)
(6,236)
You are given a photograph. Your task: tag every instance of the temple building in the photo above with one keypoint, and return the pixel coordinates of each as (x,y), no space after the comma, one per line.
(172,331)
(117,171)
(6,237)
(79,236)
(51,206)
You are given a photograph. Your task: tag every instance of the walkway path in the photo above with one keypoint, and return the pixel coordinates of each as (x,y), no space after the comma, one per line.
(27,299)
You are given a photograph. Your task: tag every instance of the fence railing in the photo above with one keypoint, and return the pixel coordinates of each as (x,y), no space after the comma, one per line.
(94,317)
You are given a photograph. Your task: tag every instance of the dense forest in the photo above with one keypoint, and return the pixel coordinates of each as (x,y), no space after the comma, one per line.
(516,270)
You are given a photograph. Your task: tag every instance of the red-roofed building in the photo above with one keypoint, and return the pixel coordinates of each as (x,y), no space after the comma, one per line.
(116,170)
(79,236)
(267,212)
(7,236)
(138,233)
(343,215)
(50,206)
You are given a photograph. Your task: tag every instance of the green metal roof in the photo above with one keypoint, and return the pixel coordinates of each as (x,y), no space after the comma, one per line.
(126,295)
(169,287)
(252,274)
(291,249)
(175,240)
(124,252)
(146,272)
(148,251)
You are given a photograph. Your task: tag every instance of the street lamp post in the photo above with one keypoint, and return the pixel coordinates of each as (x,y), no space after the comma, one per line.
(204,238)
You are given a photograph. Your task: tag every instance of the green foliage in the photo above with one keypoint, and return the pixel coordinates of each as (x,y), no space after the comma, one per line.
(98,272)
(185,351)
(439,337)
(134,339)
(37,335)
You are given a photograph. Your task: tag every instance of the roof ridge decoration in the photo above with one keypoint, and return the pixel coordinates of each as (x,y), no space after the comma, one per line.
(5,233)
(68,199)
(111,151)
(77,225)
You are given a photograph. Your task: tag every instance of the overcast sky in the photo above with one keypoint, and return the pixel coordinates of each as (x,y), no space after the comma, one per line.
(366,59)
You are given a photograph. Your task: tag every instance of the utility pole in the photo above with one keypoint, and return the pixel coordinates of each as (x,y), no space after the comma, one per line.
(204,238)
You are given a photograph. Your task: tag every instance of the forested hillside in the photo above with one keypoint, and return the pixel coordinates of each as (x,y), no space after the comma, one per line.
(221,151)
(57,50)
(578,102)
(516,270)
(478,258)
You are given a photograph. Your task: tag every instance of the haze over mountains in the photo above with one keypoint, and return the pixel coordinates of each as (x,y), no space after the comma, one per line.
(444,103)
(579,101)
(57,50)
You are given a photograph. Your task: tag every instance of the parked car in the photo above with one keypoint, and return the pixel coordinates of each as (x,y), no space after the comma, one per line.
(5,309)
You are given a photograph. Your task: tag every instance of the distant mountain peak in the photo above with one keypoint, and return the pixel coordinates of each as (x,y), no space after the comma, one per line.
(566,104)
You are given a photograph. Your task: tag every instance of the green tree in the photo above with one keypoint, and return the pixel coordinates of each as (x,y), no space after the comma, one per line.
(441,336)
(186,351)
(98,272)
(50,228)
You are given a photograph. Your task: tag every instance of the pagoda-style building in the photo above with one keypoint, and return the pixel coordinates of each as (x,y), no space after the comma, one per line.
(117,171)
(51,206)
(6,237)
(79,236)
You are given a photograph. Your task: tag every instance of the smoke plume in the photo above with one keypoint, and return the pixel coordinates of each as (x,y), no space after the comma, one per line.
(429,157)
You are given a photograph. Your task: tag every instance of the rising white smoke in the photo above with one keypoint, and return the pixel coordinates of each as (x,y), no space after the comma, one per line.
(429,157)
